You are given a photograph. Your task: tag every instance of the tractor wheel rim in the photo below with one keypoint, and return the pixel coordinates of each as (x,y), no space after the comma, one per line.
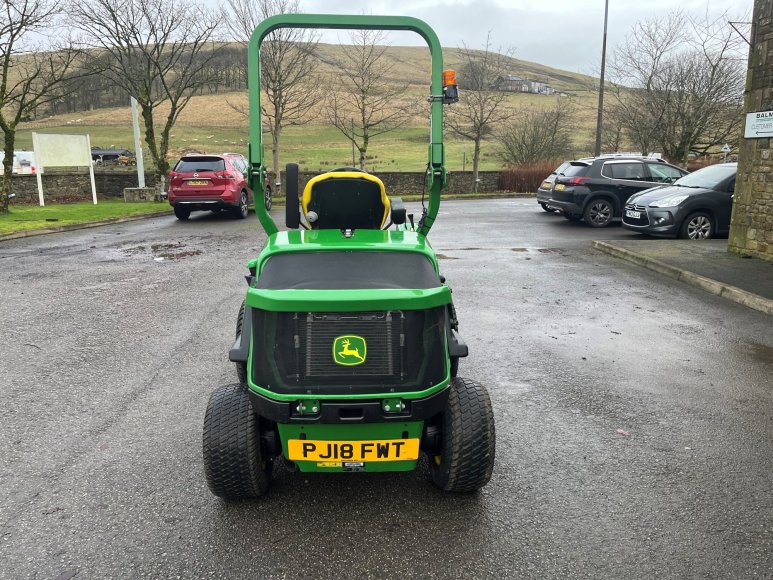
(599,213)
(699,228)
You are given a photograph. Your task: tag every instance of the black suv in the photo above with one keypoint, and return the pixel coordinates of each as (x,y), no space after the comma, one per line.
(596,189)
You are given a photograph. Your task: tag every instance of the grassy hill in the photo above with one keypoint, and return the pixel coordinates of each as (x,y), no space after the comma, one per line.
(211,124)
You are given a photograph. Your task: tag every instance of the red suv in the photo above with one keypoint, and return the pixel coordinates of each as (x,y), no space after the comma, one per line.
(210,182)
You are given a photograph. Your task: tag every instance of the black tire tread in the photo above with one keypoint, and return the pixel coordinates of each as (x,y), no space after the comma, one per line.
(241,367)
(468,448)
(231,446)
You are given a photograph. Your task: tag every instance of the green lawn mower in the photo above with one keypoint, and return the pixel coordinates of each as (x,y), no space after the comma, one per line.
(347,344)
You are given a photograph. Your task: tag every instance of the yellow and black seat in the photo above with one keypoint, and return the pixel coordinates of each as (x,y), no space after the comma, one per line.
(345,199)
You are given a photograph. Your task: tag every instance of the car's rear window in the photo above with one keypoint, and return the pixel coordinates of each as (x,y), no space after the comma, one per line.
(560,168)
(575,170)
(200,164)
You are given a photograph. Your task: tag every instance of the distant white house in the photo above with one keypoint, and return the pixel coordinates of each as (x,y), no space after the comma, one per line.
(516,84)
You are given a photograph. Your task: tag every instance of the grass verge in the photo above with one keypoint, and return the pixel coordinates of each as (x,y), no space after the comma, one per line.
(29,218)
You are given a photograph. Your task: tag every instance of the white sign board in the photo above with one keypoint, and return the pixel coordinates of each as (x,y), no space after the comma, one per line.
(57,150)
(759,125)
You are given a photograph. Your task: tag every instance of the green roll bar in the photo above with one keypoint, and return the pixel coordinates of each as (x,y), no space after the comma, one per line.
(436,172)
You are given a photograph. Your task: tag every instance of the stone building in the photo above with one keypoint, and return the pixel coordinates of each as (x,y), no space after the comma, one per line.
(751,228)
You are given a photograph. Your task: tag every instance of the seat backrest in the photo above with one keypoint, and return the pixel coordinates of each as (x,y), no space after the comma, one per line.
(345,200)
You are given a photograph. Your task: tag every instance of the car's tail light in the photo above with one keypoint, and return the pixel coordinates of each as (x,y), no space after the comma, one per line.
(224,175)
(577,180)
(172,174)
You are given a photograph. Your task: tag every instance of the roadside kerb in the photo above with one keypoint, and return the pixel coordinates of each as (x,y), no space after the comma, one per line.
(70,227)
(748,299)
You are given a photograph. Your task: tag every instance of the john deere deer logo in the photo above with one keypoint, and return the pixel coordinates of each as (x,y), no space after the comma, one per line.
(349,351)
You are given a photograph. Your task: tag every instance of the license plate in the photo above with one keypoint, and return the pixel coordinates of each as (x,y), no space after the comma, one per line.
(197,182)
(560,186)
(383,450)
(632,214)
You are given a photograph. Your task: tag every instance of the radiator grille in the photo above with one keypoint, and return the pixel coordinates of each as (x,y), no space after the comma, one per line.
(384,333)
(293,352)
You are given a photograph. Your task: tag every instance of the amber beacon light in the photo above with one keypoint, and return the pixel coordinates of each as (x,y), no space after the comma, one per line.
(450,92)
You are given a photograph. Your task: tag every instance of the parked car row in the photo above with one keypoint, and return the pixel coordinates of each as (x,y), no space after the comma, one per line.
(650,195)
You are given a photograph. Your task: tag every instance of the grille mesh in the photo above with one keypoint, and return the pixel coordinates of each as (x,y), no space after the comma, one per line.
(382,332)
(293,352)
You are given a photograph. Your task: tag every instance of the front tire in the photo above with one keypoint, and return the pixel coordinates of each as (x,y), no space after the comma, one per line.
(233,463)
(466,457)
(546,207)
(599,213)
(267,198)
(697,226)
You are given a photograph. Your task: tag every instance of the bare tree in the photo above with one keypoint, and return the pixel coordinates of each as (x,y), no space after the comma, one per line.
(157,51)
(287,66)
(481,107)
(536,134)
(685,80)
(31,75)
(367,105)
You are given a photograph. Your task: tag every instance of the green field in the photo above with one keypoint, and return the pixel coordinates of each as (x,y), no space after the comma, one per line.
(28,218)
(211,124)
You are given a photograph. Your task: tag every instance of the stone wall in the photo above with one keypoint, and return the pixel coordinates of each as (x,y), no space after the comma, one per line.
(76,186)
(410,183)
(751,228)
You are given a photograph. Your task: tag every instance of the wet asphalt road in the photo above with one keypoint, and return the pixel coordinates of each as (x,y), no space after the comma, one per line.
(634,416)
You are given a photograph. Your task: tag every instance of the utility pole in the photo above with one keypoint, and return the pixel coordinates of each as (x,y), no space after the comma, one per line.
(137,145)
(599,120)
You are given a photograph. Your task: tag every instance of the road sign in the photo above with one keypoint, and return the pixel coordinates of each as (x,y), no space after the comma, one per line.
(759,125)
(726,148)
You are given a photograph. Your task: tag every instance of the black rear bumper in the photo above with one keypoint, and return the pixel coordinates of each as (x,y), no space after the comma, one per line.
(349,411)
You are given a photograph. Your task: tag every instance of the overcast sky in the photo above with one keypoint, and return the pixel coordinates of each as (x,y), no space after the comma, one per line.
(563,34)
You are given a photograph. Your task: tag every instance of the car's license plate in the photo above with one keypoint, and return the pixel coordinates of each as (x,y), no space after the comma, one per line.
(197,182)
(383,450)
(632,214)
(560,186)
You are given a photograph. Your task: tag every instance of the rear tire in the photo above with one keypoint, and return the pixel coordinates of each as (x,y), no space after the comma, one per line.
(243,210)
(182,213)
(267,198)
(241,367)
(599,213)
(233,464)
(698,226)
(466,457)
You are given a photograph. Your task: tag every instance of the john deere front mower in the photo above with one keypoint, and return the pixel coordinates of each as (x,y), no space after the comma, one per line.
(347,344)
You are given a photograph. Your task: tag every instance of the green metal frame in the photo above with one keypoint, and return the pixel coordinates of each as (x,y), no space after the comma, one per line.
(436,172)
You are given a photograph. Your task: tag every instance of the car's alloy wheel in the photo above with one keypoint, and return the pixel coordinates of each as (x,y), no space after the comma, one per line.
(599,213)
(698,227)
(243,210)
(267,198)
